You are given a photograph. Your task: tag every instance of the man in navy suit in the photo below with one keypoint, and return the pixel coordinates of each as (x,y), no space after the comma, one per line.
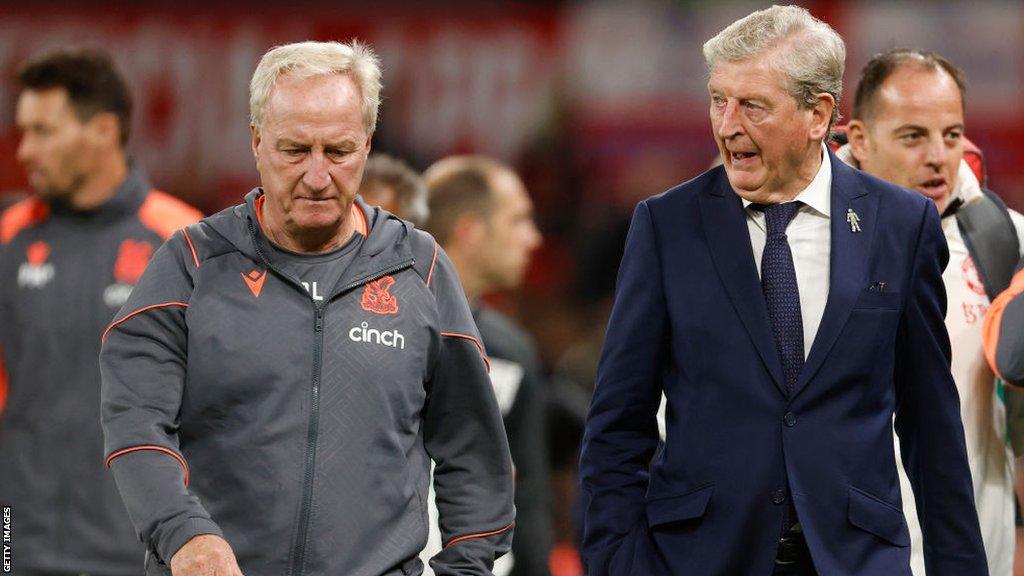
(788,306)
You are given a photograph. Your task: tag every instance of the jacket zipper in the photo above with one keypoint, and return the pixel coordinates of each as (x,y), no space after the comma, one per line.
(298,567)
(298,551)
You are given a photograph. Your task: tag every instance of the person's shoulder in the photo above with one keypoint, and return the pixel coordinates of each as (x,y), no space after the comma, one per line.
(21,216)
(164,214)
(503,337)
(689,190)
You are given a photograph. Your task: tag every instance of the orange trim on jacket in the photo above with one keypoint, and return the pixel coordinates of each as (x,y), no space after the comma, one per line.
(21,215)
(191,247)
(139,311)
(455,541)
(154,448)
(479,346)
(994,320)
(164,214)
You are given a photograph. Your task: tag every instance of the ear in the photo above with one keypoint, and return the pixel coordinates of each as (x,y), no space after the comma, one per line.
(468,230)
(858,136)
(104,128)
(254,136)
(821,115)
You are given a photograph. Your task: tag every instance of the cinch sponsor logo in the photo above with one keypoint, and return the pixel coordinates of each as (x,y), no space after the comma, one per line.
(363,333)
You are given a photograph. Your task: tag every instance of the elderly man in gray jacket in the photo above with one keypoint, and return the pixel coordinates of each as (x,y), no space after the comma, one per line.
(281,377)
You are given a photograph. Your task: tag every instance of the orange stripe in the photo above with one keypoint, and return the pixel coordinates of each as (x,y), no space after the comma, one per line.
(455,541)
(153,447)
(994,320)
(191,246)
(433,261)
(475,341)
(165,214)
(140,311)
(21,215)
(361,225)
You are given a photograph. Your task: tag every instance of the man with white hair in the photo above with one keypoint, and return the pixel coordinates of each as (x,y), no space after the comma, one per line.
(281,377)
(788,306)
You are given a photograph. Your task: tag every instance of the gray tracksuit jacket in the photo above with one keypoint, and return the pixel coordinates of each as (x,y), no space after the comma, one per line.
(234,403)
(64,273)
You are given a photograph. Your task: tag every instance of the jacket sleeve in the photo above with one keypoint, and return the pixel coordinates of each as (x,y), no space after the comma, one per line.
(1004,332)
(143,365)
(928,419)
(464,435)
(621,431)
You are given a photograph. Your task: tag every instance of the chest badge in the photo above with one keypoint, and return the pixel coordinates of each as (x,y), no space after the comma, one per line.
(36,272)
(132,258)
(254,280)
(377,299)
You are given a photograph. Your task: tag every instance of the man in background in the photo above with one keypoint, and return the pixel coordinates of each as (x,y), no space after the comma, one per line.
(393,185)
(481,214)
(69,256)
(908,128)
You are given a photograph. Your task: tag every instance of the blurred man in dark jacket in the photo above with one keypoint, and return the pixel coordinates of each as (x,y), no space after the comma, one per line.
(482,216)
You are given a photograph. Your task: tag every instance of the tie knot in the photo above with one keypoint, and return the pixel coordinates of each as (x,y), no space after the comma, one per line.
(778,216)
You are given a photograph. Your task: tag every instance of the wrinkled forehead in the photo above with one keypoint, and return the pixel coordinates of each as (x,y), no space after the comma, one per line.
(757,74)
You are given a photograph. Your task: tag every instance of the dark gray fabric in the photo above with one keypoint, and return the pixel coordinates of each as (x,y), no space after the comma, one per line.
(991,239)
(308,426)
(526,426)
(67,514)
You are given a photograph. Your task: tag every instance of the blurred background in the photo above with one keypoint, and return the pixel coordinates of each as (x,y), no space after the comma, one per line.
(598,104)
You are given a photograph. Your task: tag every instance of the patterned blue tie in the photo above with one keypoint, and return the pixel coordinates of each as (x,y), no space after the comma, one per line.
(778,280)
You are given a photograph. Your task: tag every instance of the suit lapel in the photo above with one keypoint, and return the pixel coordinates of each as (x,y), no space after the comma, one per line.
(848,262)
(725,227)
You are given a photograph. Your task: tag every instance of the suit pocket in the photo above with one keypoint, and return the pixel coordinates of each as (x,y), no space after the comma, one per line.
(878,517)
(662,510)
(876,300)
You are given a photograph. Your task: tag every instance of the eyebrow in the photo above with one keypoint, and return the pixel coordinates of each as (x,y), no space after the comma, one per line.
(343,144)
(919,128)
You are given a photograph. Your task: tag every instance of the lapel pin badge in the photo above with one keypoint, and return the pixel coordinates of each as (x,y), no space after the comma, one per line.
(853,219)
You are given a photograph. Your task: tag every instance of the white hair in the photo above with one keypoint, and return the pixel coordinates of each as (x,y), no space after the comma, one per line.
(813,58)
(308,59)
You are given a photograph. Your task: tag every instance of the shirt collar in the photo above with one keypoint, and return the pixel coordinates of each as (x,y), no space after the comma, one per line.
(818,193)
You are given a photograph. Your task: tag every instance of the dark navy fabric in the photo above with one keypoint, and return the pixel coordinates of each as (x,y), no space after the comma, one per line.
(690,320)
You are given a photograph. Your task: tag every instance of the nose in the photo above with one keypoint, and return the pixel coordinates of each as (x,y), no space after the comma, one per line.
(25,149)
(317,176)
(935,153)
(533,236)
(729,123)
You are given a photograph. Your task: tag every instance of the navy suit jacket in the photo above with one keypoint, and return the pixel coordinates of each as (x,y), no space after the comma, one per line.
(690,320)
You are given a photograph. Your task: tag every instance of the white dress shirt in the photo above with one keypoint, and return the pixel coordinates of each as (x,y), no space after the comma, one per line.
(810,236)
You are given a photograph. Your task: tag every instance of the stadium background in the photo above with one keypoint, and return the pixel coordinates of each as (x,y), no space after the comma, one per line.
(599,104)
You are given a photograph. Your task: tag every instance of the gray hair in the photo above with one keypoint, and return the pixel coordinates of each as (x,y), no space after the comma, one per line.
(308,59)
(813,60)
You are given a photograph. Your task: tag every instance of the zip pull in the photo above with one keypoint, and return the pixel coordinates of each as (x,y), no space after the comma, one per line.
(319,326)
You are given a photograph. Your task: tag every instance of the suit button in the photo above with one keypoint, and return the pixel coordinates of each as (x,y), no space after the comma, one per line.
(789,419)
(778,497)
